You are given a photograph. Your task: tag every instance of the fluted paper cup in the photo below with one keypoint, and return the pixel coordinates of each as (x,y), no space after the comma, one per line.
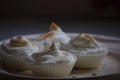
(53,70)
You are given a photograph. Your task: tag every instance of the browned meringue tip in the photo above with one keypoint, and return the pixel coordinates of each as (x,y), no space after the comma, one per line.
(54,26)
(46,35)
(87,36)
(18,42)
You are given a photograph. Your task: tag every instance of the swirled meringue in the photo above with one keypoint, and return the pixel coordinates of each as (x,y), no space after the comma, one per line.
(16,51)
(19,45)
(53,55)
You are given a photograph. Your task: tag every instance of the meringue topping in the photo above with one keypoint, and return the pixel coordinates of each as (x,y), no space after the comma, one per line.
(56,34)
(18,41)
(53,55)
(54,26)
(84,41)
(19,45)
(84,44)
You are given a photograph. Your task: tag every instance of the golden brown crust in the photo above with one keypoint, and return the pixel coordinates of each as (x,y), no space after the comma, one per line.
(18,42)
(90,37)
(47,35)
(54,26)
(87,36)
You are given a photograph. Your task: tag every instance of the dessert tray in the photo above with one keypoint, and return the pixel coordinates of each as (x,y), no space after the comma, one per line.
(109,68)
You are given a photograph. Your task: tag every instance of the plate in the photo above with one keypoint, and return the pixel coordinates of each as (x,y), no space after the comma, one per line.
(109,68)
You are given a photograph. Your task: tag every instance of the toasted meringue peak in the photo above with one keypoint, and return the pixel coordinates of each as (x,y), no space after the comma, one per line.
(84,40)
(85,36)
(18,41)
(54,26)
(47,35)
(56,34)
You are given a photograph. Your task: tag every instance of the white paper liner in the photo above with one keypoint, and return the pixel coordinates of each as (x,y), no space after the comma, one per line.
(89,60)
(14,63)
(53,70)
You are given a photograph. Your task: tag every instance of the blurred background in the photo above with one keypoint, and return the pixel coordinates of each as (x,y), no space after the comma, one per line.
(76,16)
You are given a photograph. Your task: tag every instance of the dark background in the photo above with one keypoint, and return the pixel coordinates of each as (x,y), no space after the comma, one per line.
(35,16)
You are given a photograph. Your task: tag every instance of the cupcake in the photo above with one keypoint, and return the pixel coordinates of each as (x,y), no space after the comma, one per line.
(52,63)
(44,41)
(16,51)
(88,51)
